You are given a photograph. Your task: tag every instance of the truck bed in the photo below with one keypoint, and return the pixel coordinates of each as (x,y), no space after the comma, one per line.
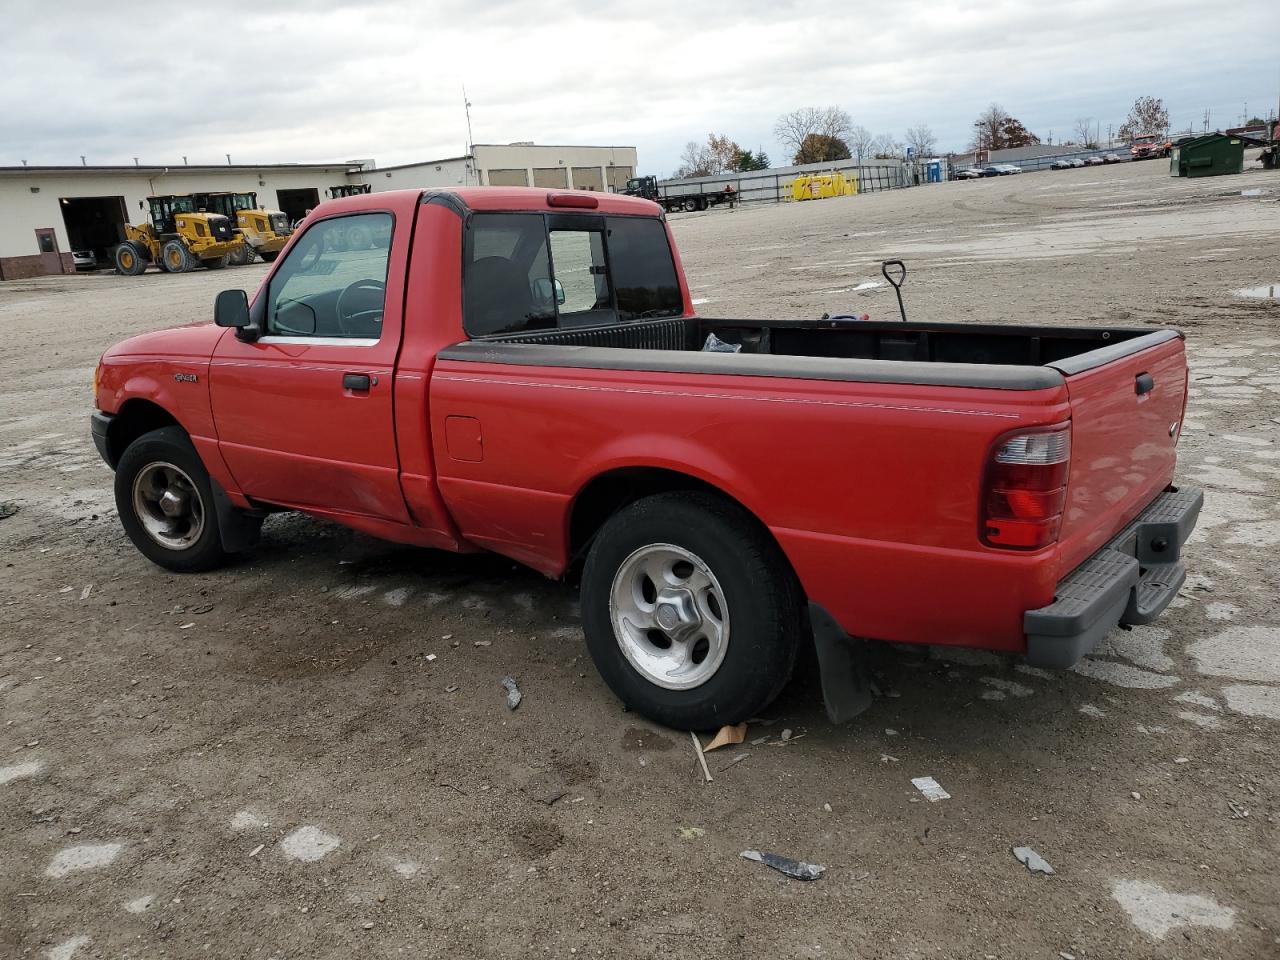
(945,354)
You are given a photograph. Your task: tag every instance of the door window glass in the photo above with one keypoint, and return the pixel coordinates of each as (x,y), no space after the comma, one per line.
(334,281)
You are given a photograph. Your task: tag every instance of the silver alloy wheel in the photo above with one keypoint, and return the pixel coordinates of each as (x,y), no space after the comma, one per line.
(168,505)
(669,616)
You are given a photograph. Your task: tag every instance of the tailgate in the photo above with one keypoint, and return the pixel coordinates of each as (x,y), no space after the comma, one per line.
(1126,414)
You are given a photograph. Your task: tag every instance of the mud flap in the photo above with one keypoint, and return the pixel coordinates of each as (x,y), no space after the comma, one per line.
(842,661)
(238,529)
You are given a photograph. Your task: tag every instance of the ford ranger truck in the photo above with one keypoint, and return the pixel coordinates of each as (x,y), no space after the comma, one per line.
(521,371)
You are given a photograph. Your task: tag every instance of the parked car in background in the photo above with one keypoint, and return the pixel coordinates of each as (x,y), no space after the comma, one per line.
(1094,161)
(1008,169)
(969,173)
(84,259)
(991,171)
(1062,163)
(1113,158)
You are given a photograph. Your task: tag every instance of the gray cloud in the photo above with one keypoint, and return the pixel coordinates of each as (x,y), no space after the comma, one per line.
(332,81)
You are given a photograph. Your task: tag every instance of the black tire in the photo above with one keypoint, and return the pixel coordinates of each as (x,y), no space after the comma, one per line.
(241,255)
(129,260)
(269,256)
(170,446)
(762,603)
(216,263)
(175,257)
(691,205)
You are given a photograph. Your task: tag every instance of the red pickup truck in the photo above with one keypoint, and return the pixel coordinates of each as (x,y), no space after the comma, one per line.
(521,371)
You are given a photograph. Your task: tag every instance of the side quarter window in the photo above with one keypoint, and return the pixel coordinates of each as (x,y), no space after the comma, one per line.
(334,281)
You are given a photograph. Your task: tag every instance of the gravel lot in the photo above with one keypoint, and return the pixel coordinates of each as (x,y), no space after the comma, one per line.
(308,754)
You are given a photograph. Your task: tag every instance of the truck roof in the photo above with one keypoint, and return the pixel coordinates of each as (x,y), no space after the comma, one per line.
(498,198)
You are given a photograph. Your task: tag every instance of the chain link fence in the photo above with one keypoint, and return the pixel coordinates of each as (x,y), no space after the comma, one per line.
(774,186)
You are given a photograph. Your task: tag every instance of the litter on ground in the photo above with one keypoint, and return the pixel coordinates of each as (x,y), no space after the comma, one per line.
(930,788)
(792,868)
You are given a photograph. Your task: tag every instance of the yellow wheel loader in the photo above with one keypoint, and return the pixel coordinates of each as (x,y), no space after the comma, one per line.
(264,232)
(179,238)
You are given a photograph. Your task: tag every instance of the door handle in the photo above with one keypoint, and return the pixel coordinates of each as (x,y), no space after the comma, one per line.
(355,381)
(1143,383)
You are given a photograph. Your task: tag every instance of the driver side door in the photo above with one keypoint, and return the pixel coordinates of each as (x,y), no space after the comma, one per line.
(304,413)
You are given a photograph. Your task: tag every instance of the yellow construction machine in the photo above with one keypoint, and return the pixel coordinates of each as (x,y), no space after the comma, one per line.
(180,237)
(264,232)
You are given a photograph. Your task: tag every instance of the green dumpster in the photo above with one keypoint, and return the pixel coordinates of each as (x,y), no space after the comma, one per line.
(1211,155)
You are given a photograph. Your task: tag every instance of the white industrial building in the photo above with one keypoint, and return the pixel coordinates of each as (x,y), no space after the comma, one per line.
(48,212)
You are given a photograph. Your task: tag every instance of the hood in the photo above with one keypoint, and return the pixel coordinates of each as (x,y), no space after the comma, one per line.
(194,341)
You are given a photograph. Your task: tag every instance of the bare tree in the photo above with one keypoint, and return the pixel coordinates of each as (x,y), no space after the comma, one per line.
(1147,116)
(986,129)
(718,155)
(1083,130)
(793,128)
(922,141)
(995,130)
(886,147)
(860,141)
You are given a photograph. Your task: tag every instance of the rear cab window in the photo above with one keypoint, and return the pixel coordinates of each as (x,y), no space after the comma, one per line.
(535,271)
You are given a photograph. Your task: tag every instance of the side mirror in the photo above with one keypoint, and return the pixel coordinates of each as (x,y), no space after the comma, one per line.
(231,309)
(559,293)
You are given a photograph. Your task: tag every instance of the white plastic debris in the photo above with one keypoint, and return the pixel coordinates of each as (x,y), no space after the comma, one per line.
(930,788)
(1032,860)
(715,345)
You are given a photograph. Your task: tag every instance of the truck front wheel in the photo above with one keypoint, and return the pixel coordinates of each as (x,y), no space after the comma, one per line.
(691,612)
(129,260)
(166,502)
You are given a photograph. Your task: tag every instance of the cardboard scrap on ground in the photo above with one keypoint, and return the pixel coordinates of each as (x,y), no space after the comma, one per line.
(728,736)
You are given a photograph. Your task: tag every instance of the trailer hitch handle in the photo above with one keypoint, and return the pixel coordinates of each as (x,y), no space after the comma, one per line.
(896,278)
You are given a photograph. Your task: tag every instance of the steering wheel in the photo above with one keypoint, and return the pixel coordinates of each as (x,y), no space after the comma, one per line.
(365,322)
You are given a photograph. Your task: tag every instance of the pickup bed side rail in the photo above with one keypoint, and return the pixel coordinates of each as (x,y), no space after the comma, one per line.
(980,375)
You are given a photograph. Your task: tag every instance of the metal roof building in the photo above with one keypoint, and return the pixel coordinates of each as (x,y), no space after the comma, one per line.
(46,213)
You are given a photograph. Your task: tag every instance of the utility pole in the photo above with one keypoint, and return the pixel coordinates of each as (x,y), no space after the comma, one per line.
(471,146)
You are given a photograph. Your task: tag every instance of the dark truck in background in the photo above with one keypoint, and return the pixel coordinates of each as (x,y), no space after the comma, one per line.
(688,197)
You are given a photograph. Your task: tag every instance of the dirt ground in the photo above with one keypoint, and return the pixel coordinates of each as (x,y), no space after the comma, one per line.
(308,754)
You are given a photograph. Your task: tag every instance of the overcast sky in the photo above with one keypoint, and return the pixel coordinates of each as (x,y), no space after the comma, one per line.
(278,81)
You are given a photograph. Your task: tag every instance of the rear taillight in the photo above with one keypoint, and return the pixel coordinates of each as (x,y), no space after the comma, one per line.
(1026,489)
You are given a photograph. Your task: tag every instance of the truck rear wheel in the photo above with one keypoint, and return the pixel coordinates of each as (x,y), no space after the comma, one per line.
(692,614)
(269,256)
(691,204)
(216,263)
(166,505)
(240,255)
(175,257)
(129,260)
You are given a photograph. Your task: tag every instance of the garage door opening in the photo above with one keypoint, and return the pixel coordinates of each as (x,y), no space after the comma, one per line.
(94,225)
(295,203)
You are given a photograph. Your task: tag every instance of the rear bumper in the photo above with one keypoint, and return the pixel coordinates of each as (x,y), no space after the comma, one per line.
(1129,581)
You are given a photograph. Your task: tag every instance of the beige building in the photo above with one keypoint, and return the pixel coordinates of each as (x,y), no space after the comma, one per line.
(46,213)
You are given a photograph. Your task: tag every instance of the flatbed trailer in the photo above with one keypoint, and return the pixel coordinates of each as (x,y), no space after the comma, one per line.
(690,198)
